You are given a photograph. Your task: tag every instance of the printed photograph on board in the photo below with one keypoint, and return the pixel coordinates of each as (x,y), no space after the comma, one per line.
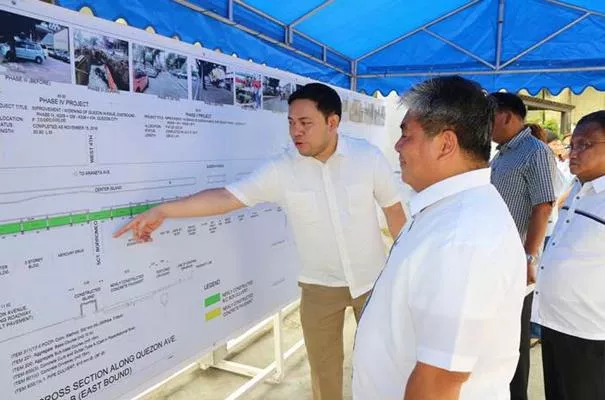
(380,115)
(34,49)
(248,90)
(211,82)
(368,113)
(159,72)
(345,106)
(276,93)
(101,62)
(356,111)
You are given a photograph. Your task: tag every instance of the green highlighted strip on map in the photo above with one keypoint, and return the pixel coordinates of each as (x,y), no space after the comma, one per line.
(12,228)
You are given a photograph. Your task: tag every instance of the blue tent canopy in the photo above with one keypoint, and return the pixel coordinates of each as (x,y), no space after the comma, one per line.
(391,44)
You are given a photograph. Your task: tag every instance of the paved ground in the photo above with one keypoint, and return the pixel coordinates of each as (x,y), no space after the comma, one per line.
(275,104)
(51,69)
(167,85)
(215,385)
(211,94)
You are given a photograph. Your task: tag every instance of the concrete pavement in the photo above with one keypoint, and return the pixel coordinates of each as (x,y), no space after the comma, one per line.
(51,69)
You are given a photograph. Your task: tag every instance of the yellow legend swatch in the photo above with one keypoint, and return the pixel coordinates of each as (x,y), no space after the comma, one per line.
(213,314)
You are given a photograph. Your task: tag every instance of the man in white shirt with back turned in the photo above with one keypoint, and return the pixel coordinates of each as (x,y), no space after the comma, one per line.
(443,320)
(569,300)
(329,188)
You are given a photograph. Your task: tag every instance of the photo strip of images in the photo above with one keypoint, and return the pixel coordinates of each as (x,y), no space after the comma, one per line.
(101,62)
(211,82)
(159,72)
(276,93)
(40,50)
(248,90)
(34,49)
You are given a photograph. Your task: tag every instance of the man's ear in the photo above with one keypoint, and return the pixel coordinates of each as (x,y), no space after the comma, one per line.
(333,121)
(508,117)
(448,144)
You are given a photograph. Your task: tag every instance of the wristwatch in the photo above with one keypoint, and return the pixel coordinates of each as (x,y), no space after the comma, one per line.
(531,259)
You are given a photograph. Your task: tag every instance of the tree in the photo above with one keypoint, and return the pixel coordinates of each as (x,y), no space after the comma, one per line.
(553,126)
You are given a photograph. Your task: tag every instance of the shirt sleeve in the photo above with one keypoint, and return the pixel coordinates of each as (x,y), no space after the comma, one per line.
(540,176)
(454,296)
(262,185)
(386,190)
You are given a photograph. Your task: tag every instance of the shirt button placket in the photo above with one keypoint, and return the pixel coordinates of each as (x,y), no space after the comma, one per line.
(335,218)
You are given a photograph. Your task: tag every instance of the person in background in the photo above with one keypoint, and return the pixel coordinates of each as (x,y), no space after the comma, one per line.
(569,298)
(560,181)
(329,188)
(538,132)
(561,185)
(523,171)
(560,147)
(444,317)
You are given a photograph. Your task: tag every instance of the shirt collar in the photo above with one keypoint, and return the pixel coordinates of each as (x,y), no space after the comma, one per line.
(598,184)
(342,149)
(448,187)
(515,141)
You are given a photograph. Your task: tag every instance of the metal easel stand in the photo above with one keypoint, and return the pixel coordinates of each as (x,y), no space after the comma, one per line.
(272,373)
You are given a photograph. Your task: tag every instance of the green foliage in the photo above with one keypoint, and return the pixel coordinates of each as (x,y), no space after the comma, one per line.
(552,125)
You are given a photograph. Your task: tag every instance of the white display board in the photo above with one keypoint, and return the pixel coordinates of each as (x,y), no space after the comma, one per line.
(99,122)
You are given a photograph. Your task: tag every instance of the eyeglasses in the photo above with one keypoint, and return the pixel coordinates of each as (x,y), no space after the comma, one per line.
(582,146)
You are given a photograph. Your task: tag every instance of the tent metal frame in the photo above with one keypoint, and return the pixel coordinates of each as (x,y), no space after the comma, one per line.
(498,68)
(288,29)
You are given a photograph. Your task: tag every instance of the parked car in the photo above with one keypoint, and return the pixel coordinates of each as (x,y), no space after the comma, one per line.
(140,81)
(45,50)
(62,55)
(4,49)
(24,50)
(151,71)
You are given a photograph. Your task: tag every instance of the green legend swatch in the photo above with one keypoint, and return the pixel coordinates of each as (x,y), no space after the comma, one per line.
(212,300)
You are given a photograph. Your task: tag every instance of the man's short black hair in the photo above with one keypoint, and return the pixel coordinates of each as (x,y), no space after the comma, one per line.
(326,98)
(452,102)
(510,102)
(597,117)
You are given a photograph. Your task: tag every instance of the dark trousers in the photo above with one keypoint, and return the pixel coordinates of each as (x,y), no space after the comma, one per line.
(574,368)
(518,386)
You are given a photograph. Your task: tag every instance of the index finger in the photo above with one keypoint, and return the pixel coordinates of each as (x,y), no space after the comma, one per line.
(125,228)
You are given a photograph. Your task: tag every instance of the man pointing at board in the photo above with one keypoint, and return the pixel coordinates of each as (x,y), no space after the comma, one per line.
(328,188)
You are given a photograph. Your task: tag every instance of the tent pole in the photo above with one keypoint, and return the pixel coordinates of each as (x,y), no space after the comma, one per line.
(354,76)
(285,26)
(500,28)
(260,35)
(415,31)
(574,7)
(484,72)
(459,48)
(548,38)
(310,13)
(230,10)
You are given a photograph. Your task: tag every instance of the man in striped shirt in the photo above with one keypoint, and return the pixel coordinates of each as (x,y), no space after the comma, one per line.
(523,171)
